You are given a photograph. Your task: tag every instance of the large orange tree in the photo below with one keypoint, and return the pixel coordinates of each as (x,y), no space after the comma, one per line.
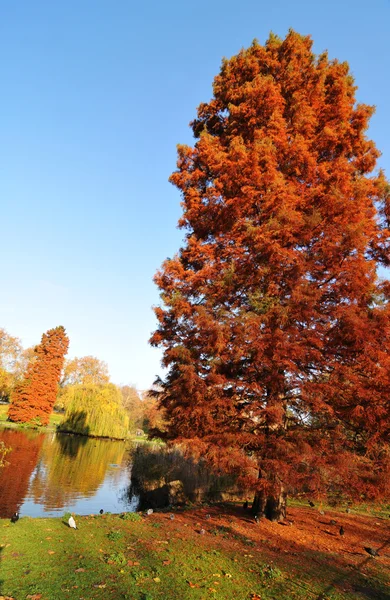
(34,397)
(275,324)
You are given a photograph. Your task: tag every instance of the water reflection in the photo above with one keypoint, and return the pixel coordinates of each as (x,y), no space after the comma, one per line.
(15,477)
(52,473)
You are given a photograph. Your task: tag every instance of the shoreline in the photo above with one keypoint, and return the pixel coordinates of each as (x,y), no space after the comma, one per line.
(54,423)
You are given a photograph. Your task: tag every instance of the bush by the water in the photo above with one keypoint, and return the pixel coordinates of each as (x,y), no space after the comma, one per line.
(95,410)
(155,468)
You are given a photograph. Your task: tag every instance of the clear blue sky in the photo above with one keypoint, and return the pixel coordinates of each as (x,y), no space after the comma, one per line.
(95,96)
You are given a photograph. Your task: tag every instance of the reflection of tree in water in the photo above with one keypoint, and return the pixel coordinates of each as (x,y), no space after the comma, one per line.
(15,477)
(74,466)
(70,444)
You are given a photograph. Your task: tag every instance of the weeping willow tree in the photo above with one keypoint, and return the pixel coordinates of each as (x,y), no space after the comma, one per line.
(95,410)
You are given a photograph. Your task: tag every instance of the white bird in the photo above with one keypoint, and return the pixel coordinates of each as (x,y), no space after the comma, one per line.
(149,511)
(72,523)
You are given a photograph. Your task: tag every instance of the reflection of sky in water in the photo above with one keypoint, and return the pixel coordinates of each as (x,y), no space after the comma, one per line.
(110,496)
(51,474)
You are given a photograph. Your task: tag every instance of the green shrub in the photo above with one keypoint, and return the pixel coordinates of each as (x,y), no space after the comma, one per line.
(270,572)
(113,536)
(131,517)
(116,558)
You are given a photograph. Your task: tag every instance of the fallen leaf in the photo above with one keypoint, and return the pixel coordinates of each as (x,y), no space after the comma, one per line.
(34,596)
(212,590)
(166,562)
(51,552)
(48,538)
(101,586)
(156,579)
(80,570)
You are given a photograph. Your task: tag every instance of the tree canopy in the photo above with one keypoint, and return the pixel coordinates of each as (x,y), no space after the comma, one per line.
(85,370)
(11,363)
(34,396)
(95,410)
(274,322)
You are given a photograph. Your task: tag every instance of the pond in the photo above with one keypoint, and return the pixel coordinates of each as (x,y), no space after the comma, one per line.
(49,474)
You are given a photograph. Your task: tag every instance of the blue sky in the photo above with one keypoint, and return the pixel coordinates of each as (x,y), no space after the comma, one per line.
(95,97)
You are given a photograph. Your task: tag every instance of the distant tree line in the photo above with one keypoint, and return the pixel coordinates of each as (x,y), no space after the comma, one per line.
(36,381)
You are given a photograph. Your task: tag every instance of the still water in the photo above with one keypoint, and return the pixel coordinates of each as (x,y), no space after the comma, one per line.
(52,473)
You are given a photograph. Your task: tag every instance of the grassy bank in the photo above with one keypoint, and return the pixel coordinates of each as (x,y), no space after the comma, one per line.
(55,420)
(223,555)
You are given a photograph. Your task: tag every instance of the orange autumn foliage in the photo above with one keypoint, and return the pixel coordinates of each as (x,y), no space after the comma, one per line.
(34,398)
(25,448)
(275,325)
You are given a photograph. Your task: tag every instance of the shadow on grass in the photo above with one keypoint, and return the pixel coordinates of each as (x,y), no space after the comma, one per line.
(361,587)
(313,573)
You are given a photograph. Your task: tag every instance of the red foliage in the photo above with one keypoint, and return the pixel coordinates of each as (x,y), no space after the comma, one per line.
(35,396)
(275,326)
(25,449)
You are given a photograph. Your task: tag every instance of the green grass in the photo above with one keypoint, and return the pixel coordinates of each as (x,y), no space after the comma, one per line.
(368,509)
(115,557)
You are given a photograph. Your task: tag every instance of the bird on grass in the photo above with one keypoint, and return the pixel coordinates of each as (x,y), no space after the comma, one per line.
(257,518)
(311,503)
(246,505)
(202,531)
(15,517)
(208,517)
(171,516)
(332,522)
(371,551)
(101,511)
(149,511)
(72,523)
(341,531)
(348,510)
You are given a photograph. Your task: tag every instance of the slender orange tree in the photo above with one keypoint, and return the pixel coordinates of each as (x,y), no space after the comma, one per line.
(275,324)
(34,397)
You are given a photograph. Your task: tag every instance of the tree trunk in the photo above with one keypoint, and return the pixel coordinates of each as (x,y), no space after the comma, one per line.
(271,506)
